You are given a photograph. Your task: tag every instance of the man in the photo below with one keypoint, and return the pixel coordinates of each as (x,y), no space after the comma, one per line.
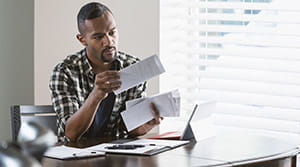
(82,85)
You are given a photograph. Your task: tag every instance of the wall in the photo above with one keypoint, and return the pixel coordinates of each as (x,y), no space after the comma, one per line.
(55,35)
(16,54)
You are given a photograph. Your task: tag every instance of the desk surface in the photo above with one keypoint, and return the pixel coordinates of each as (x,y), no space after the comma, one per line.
(222,150)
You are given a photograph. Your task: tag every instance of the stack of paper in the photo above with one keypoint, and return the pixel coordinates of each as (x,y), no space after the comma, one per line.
(138,111)
(65,152)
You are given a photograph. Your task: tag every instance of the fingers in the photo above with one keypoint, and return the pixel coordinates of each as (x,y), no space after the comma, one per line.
(143,129)
(155,113)
(151,122)
(108,76)
(108,81)
(112,85)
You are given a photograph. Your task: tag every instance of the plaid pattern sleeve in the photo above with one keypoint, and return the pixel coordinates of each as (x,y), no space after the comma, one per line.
(64,101)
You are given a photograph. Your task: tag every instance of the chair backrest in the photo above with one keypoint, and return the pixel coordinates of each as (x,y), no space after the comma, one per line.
(42,114)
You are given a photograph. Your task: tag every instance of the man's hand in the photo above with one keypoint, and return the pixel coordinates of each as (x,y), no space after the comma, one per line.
(143,129)
(106,82)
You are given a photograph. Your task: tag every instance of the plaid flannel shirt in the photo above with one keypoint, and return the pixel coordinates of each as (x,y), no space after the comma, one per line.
(71,83)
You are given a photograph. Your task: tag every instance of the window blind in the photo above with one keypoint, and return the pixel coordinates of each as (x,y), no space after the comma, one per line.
(243,54)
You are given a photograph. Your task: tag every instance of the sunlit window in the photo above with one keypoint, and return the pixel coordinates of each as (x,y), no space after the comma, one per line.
(243,54)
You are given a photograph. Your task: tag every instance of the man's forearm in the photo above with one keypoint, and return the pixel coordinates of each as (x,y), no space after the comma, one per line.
(79,123)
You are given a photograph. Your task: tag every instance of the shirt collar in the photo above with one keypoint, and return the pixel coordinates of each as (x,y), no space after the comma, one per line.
(86,66)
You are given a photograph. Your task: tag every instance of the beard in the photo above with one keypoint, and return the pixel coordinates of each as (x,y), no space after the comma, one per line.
(104,59)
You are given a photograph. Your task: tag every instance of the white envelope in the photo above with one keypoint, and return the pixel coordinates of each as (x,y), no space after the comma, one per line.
(140,113)
(140,72)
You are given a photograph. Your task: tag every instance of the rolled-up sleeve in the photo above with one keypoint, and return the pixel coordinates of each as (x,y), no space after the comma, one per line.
(64,98)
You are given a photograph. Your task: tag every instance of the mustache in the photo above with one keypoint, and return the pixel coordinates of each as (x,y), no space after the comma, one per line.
(108,48)
(102,57)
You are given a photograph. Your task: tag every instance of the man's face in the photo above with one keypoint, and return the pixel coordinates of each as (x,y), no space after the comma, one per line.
(100,37)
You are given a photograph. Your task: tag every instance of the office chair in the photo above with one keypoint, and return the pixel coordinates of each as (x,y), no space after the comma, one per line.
(42,114)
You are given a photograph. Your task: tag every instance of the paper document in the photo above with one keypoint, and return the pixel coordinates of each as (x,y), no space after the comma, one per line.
(65,152)
(139,146)
(138,111)
(166,143)
(139,150)
(140,72)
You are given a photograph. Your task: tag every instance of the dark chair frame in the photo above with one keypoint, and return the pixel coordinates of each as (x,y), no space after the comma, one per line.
(42,114)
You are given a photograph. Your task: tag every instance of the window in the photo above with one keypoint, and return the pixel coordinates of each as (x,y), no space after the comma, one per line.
(243,54)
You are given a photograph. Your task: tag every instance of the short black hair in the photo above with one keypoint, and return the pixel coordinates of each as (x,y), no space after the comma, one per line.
(90,11)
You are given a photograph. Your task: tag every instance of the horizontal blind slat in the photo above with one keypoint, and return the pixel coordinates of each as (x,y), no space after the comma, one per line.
(273,66)
(257,123)
(244,5)
(247,98)
(249,75)
(287,136)
(282,18)
(269,41)
(258,111)
(289,30)
(243,51)
(252,63)
(249,87)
